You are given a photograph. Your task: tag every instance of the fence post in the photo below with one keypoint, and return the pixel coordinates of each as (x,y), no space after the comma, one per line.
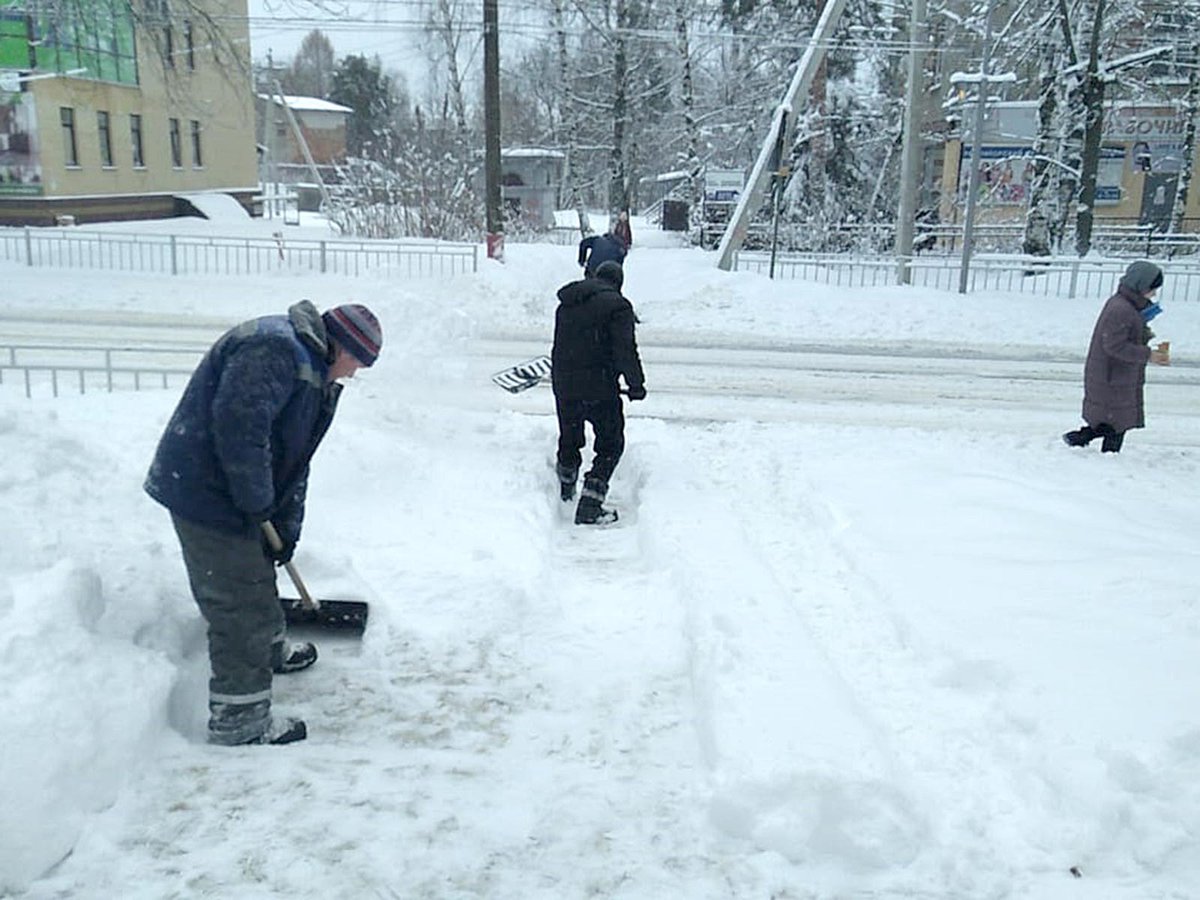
(28,247)
(108,369)
(174,257)
(1074,279)
(322,257)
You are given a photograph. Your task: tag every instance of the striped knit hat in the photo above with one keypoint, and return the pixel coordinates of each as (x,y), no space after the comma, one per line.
(355,327)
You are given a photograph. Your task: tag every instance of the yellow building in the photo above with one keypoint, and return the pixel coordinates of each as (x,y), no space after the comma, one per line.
(111,117)
(1140,159)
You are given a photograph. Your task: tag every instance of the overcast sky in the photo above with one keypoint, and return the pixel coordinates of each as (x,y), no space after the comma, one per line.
(389,29)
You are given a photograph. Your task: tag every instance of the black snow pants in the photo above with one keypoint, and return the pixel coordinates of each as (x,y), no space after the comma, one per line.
(607,418)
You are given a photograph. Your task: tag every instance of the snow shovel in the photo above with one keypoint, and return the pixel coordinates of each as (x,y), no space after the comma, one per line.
(347,615)
(523,375)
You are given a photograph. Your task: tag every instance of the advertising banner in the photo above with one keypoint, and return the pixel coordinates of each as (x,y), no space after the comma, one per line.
(1006,174)
(20,162)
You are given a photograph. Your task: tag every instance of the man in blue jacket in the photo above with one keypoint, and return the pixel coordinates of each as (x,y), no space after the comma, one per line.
(597,249)
(234,455)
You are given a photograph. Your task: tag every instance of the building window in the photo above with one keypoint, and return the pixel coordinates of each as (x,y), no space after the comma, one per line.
(92,39)
(135,139)
(169,47)
(70,148)
(197,156)
(176,144)
(104,129)
(190,44)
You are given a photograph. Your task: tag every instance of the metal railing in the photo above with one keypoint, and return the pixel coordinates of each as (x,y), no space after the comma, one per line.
(214,255)
(98,368)
(1045,276)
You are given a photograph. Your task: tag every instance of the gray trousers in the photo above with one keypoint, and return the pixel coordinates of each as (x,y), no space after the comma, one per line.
(233,582)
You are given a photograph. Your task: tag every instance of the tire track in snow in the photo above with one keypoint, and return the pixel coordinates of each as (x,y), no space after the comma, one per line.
(953,747)
(795,762)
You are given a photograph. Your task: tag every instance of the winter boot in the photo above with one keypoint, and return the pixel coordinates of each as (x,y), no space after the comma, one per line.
(287,657)
(238,724)
(1080,438)
(566,481)
(282,730)
(590,511)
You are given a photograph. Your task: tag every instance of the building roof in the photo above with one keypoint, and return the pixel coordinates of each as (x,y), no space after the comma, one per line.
(309,104)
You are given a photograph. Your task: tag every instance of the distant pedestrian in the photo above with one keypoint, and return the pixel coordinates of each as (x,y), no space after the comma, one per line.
(623,230)
(597,249)
(234,455)
(1115,372)
(594,346)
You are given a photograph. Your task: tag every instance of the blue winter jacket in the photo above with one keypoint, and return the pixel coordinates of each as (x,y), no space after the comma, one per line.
(237,448)
(599,248)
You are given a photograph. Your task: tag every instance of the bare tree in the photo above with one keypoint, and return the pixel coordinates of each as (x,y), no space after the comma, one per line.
(312,68)
(446,21)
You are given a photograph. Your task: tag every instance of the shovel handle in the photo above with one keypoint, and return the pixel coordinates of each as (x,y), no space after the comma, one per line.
(306,599)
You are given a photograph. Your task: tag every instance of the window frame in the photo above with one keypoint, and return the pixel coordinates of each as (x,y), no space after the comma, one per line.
(189,38)
(137,138)
(197,154)
(66,117)
(176,139)
(104,138)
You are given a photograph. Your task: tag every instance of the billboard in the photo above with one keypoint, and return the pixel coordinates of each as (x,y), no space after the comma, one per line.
(20,161)
(1006,174)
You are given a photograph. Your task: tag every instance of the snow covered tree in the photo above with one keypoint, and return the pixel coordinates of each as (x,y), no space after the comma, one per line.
(360,84)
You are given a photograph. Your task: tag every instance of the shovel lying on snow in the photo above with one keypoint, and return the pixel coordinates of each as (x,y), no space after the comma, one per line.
(348,615)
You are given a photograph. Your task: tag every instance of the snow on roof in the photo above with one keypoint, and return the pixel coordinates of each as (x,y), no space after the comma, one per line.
(309,104)
(533,152)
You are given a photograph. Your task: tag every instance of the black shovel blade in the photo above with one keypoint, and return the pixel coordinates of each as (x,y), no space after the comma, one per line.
(344,615)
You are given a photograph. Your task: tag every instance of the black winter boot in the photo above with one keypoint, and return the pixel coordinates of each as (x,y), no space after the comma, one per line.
(590,511)
(282,730)
(288,657)
(1080,438)
(566,481)
(238,724)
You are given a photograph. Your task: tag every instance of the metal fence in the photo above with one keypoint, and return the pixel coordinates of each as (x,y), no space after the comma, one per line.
(80,368)
(1059,276)
(211,255)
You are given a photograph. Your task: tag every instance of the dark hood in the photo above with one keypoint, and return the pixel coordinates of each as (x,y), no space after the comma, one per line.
(1142,277)
(580,292)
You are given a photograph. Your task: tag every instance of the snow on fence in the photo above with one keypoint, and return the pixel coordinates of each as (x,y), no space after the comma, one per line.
(81,368)
(1058,276)
(211,255)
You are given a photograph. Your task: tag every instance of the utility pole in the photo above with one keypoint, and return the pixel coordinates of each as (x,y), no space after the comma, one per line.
(491,126)
(911,154)
(271,174)
(787,112)
(976,150)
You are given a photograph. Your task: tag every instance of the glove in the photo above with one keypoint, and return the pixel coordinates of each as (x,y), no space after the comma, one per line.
(284,554)
(637,392)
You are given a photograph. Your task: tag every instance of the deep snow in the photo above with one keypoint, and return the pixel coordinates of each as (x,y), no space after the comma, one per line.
(866,629)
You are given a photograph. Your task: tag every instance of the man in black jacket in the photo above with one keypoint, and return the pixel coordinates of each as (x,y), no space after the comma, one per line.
(594,343)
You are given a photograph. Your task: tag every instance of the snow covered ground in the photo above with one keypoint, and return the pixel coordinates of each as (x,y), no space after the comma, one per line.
(866,628)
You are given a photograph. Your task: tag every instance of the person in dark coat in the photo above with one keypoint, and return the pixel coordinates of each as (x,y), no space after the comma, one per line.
(594,346)
(623,230)
(236,454)
(1114,375)
(597,249)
